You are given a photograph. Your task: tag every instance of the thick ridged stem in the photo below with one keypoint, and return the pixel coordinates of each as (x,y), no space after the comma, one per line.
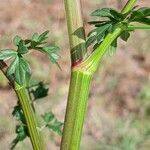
(76,109)
(81,78)
(30,117)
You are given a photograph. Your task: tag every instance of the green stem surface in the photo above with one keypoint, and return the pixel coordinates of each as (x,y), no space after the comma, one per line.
(140,27)
(81,75)
(30,117)
(91,64)
(76,108)
(129,5)
(24,100)
(75,30)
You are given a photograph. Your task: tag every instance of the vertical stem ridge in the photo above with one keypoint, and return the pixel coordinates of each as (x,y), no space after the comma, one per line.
(76,108)
(81,75)
(23,97)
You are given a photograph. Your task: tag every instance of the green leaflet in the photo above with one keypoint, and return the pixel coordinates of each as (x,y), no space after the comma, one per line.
(140,13)
(52,123)
(56,127)
(143,20)
(145,11)
(18,113)
(19,69)
(114,19)
(98,34)
(48,117)
(22,48)
(51,52)
(125,35)
(16,40)
(90,41)
(22,133)
(35,37)
(101,31)
(107,12)
(40,91)
(42,37)
(39,39)
(7,54)
(12,67)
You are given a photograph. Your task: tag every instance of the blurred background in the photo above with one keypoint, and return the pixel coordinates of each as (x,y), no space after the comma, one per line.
(118,115)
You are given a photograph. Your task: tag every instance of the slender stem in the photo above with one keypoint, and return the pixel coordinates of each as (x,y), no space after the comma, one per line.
(75,29)
(24,100)
(30,117)
(76,108)
(129,5)
(143,27)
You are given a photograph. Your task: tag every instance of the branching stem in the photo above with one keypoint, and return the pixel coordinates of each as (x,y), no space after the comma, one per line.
(81,75)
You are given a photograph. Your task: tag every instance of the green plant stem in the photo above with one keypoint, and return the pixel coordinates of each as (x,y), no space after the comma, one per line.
(129,5)
(75,29)
(91,64)
(76,108)
(24,100)
(134,27)
(81,77)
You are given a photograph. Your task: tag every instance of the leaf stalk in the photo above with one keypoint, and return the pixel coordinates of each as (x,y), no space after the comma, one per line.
(138,27)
